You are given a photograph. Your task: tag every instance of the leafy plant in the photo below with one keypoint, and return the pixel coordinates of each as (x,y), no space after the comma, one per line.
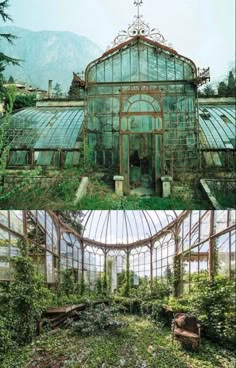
(213,302)
(97,319)
(24,301)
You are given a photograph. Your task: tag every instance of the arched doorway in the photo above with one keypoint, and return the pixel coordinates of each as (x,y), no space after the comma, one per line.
(141,139)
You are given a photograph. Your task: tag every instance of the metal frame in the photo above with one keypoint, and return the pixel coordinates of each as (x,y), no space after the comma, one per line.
(192,236)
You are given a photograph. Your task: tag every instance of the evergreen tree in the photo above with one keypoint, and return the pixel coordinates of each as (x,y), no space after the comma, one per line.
(222,89)
(208,91)
(231,85)
(11,80)
(4,59)
(228,88)
(57,90)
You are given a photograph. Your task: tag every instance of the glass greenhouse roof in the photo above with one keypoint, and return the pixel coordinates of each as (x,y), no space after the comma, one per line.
(124,227)
(46,127)
(218,125)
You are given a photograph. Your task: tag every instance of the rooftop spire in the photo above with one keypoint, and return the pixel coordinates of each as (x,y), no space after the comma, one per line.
(139,28)
(138,3)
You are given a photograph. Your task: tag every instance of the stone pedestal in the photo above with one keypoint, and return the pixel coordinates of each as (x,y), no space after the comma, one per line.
(166,186)
(118,184)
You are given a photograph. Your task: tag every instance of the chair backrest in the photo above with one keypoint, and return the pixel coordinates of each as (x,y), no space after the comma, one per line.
(186,322)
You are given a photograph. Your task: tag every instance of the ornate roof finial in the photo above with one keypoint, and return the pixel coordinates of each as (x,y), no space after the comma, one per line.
(139,28)
(138,3)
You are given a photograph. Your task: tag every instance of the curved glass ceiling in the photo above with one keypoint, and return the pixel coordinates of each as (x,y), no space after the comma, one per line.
(124,227)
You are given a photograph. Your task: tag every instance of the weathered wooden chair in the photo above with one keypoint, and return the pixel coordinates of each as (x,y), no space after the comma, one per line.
(186,329)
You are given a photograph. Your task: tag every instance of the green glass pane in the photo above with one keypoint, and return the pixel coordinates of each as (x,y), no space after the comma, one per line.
(143,123)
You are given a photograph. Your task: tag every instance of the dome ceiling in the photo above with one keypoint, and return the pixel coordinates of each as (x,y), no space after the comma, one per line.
(124,227)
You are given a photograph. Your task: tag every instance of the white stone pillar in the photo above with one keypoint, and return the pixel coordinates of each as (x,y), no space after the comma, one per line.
(166,186)
(118,184)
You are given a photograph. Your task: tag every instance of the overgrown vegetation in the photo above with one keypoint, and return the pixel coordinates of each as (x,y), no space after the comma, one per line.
(213,303)
(226,200)
(24,300)
(22,304)
(138,344)
(97,320)
(22,101)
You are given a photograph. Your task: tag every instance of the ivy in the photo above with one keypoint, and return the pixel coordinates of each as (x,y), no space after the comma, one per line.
(24,301)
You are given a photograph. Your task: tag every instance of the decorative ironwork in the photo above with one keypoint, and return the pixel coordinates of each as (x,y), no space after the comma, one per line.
(139,28)
(203,75)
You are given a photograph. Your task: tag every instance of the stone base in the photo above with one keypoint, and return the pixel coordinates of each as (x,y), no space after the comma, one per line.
(119,184)
(166,186)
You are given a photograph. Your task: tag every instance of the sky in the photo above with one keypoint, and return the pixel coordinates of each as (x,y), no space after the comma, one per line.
(203,30)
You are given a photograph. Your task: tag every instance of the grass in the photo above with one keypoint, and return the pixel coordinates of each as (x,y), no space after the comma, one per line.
(100,197)
(61,194)
(140,344)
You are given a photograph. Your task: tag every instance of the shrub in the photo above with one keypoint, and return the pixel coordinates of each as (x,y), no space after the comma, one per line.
(213,302)
(97,319)
(150,290)
(154,309)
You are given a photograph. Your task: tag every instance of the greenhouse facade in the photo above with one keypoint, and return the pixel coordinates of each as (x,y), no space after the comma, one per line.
(146,245)
(135,112)
(142,111)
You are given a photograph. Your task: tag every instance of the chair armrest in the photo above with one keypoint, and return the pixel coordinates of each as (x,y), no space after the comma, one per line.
(199,329)
(173,323)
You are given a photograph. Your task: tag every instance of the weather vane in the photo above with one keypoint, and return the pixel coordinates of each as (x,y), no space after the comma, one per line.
(139,28)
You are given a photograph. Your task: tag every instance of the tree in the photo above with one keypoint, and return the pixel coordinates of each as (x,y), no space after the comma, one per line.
(231,85)
(228,88)
(208,91)
(222,89)
(58,90)
(4,59)
(8,94)
(22,101)
(11,80)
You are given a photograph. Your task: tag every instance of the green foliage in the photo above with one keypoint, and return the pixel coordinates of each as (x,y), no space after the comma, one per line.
(178,305)
(6,338)
(23,300)
(139,344)
(153,309)
(11,79)
(97,319)
(28,298)
(54,196)
(208,91)
(150,290)
(5,122)
(213,302)
(228,88)
(68,284)
(66,188)
(222,89)
(226,199)
(177,275)
(22,101)
(102,285)
(58,90)
(4,59)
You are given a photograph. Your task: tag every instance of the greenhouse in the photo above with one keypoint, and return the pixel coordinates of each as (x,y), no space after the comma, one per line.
(136,110)
(95,278)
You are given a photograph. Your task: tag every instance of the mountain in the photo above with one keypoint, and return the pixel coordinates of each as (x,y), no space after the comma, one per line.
(48,55)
